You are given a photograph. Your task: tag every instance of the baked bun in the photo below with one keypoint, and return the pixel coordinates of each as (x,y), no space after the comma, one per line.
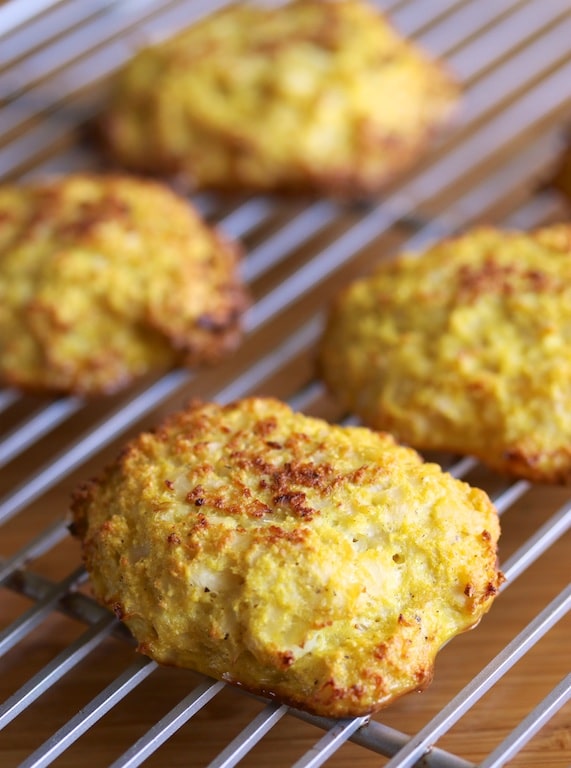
(310,95)
(320,565)
(466,348)
(105,278)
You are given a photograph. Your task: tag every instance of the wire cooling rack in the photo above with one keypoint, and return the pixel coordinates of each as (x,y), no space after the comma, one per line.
(73,691)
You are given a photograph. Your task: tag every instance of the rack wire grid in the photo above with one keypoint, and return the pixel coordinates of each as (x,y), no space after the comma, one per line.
(74,691)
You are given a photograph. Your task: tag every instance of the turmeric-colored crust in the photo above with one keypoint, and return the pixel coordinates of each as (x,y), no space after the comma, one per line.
(105,278)
(464,348)
(310,95)
(321,565)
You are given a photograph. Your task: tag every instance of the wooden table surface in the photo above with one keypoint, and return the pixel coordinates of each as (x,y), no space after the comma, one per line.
(514,59)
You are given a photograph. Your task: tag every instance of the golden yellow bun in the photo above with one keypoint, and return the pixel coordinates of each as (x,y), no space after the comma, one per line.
(320,565)
(466,347)
(104,278)
(311,95)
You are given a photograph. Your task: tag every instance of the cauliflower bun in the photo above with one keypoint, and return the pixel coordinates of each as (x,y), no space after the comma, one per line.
(310,95)
(105,278)
(465,348)
(323,566)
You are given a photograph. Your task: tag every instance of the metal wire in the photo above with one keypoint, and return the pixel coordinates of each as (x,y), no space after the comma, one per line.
(85,718)
(528,727)
(421,742)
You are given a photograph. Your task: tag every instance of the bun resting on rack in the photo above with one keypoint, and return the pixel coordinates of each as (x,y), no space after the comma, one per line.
(105,278)
(310,95)
(464,348)
(323,566)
